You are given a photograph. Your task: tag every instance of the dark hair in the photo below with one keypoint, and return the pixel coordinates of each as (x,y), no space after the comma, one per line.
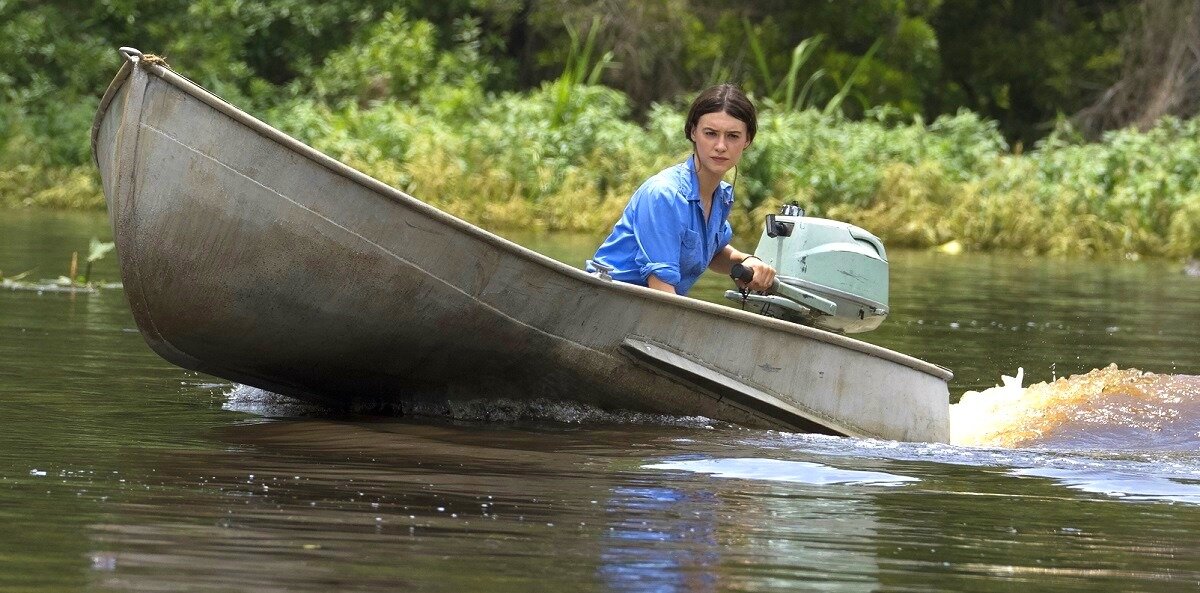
(723,97)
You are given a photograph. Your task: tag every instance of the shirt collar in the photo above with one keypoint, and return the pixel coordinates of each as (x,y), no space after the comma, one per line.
(723,188)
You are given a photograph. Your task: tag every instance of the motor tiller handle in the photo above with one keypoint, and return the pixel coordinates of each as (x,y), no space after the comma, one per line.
(746,274)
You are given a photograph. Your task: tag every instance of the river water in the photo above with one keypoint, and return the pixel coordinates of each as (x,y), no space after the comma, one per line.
(121,472)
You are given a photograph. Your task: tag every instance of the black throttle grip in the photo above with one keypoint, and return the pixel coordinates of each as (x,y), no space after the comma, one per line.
(740,272)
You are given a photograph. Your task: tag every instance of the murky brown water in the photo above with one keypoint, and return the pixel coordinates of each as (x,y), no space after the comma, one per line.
(121,472)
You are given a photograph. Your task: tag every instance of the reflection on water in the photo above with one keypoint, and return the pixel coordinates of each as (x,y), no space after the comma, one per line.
(661,539)
(803,472)
(120,472)
(1136,487)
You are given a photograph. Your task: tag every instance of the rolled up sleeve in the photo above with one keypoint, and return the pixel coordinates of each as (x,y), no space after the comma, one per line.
(657,224)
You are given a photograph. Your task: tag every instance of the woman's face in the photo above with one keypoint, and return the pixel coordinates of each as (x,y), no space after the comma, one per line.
(720,139)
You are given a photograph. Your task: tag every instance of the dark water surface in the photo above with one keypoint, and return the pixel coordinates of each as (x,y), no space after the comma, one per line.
(121,472)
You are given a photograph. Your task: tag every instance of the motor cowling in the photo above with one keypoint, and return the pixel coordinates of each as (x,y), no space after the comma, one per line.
(830,274)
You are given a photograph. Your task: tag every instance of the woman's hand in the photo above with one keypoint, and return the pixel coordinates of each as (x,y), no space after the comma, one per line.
(764,275)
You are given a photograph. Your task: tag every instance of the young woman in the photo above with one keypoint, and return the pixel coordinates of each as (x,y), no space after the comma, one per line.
(677,223)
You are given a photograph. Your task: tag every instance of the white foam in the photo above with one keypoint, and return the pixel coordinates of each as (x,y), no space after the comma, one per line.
(251,400)
(569,412)
(260,402)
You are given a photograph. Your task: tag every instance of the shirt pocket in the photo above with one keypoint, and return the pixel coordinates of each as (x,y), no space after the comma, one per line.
(691,254)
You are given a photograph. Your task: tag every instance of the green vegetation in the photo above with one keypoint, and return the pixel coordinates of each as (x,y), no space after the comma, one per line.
(73,281)
(861,118)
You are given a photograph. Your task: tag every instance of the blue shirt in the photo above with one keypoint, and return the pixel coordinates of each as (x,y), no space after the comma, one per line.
(663,231)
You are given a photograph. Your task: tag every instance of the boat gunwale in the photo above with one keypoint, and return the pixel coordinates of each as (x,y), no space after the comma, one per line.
(384,190)
(105,101)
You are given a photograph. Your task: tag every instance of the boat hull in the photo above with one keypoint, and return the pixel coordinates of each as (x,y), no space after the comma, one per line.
(247,255)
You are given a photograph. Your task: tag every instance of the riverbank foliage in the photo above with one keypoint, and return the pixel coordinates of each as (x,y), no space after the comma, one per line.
(416,104)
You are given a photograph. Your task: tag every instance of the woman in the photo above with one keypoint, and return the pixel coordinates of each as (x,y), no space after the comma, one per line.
(677,223)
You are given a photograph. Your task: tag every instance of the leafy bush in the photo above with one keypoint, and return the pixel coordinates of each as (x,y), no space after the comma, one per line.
(412,111)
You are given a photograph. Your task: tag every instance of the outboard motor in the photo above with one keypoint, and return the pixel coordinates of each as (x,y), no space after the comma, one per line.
(830,275)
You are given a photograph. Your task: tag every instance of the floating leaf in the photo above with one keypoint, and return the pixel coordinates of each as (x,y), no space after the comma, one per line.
(98,250)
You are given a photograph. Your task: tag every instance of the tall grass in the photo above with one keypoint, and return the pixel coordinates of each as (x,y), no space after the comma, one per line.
(579,70)
(786,92)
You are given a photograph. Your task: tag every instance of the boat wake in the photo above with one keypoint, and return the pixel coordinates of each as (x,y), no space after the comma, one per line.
(508,410)
(251,400)
(1109,409)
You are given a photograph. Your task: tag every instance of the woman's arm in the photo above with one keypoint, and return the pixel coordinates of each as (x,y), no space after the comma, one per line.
(722,263)
(653,282)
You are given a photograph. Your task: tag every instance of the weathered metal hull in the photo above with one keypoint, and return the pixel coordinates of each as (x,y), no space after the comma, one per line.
(250,256)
